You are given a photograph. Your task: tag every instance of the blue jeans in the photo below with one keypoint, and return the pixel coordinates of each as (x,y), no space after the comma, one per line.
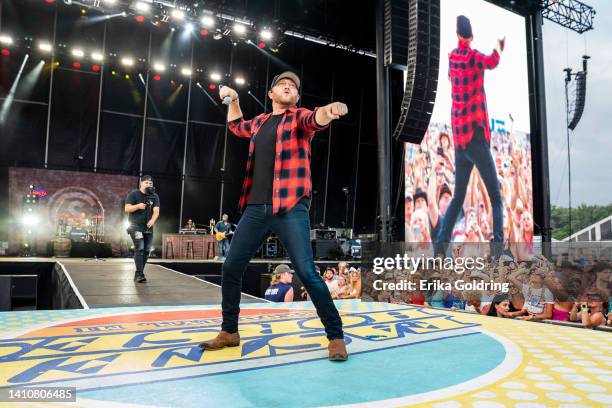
(476,153)
(224,247)
(141,249)
(293,229)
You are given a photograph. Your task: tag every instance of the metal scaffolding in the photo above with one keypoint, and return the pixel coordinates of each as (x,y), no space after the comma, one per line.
(572,14)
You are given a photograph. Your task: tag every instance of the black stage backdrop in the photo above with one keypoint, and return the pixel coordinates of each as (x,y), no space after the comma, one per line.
(342,156)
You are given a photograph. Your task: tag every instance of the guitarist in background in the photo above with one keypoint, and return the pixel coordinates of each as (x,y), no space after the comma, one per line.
(222,229)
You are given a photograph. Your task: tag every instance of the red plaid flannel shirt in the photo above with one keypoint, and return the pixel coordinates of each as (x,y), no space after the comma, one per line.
(466,73)
(292,179)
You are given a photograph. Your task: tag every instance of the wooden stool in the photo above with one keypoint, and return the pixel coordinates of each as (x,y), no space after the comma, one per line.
(212,245)
(169,248)
(189,248)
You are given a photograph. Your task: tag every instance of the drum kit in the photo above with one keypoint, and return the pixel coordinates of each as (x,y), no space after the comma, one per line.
(81,228)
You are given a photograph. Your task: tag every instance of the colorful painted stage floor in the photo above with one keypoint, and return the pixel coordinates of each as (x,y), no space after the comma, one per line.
(400,356)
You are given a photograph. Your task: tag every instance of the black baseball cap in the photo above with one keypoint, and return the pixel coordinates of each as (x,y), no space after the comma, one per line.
(289,75)
(146,177)
(464,27)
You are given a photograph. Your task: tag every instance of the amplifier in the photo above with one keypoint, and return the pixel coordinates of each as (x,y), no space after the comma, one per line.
(327,234)
(325,248)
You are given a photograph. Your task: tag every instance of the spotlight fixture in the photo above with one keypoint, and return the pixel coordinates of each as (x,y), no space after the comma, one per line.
(159,67)
(186,71)
(265,34)
(143,7)
(128,62)
(239,81)
(218,36)
(45,46)
(189,27)
(178,14)
(5,39)
(97,56)
(239,29)
(208,21)
(77,52)
(215,76)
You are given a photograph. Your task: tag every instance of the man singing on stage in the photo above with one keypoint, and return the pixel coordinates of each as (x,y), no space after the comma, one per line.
(471,132)
(142,206)
(276,197)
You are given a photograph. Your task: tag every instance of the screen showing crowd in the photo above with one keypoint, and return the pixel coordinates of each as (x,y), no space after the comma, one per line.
(470,180)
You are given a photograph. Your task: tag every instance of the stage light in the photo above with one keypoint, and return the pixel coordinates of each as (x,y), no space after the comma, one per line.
(208,21)
(218,36)
(203,32)
(240,29)
(140,19)
(239,81)
(159,67)
(96,56)
(262,45)
(127,76)
(45,46)
(266,34)
(83,10)
(76,64)
(29,219)
(186,71)
(123,14)
(5,52)
(215,76)
(212,87)
(5,39)
(95,68)
(77,52)
(157,78)
(178,14)
(144,7)
(110,2)
(113,72)
(189,27)
(49,1)
(128,62)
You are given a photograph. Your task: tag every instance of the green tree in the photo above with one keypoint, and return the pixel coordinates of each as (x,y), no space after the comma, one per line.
(582,216)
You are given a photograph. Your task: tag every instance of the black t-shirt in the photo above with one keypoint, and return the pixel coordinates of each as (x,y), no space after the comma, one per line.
(138,219)
(265,153)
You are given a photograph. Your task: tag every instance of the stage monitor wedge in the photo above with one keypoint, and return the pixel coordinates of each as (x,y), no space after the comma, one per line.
(412,41)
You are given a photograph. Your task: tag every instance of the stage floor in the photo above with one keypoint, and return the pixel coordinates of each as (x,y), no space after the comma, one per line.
(111,284)
(400,355)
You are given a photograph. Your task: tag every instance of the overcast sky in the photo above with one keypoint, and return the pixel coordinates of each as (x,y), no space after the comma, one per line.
(591,144)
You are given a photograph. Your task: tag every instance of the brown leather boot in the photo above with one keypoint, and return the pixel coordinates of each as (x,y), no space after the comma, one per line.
(223,339)
(337,350)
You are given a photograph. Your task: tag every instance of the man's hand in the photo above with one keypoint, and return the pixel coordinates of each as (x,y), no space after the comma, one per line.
(141,206)
(150,223)
(335,109)
(501,43)
(227,91)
